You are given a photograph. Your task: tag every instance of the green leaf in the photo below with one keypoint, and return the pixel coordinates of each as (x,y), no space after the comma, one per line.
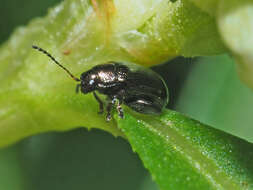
(182,153)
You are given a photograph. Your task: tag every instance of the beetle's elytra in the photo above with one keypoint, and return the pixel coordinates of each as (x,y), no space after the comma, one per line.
(139,88)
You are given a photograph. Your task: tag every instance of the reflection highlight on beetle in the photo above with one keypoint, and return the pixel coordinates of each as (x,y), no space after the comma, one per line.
(139,88)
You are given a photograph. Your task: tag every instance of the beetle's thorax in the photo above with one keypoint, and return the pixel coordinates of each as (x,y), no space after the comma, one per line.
(106,79)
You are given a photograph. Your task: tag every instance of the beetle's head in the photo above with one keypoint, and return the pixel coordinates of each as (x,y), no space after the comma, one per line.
(88,82)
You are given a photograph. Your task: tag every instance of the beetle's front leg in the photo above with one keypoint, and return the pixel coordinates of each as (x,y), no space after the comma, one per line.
(109,110)
(120,98)
(119,109)
(101,105)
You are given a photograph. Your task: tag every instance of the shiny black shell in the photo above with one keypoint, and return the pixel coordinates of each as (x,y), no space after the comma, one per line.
(139,88)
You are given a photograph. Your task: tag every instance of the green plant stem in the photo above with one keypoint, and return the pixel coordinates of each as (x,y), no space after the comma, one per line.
(37,96)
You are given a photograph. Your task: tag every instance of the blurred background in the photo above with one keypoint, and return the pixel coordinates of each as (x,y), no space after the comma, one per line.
(205,88)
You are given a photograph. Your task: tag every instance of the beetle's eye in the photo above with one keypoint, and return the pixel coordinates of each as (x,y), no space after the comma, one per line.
(91,82)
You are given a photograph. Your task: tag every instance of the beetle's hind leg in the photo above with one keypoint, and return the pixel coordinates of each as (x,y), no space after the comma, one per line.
(101,105)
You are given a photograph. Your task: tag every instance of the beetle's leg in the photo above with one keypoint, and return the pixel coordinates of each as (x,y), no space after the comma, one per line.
(78,88)
(109,109)
(101,105)
(119,108)
(120,97)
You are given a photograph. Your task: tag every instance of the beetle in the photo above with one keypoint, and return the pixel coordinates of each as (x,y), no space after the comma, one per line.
(139,88)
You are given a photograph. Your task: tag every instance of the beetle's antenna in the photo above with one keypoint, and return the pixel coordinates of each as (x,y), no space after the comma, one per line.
(49,55)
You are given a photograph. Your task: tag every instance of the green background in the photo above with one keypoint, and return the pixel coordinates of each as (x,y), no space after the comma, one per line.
(206,89)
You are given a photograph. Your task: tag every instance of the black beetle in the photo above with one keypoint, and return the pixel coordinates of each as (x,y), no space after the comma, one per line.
(139,88)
